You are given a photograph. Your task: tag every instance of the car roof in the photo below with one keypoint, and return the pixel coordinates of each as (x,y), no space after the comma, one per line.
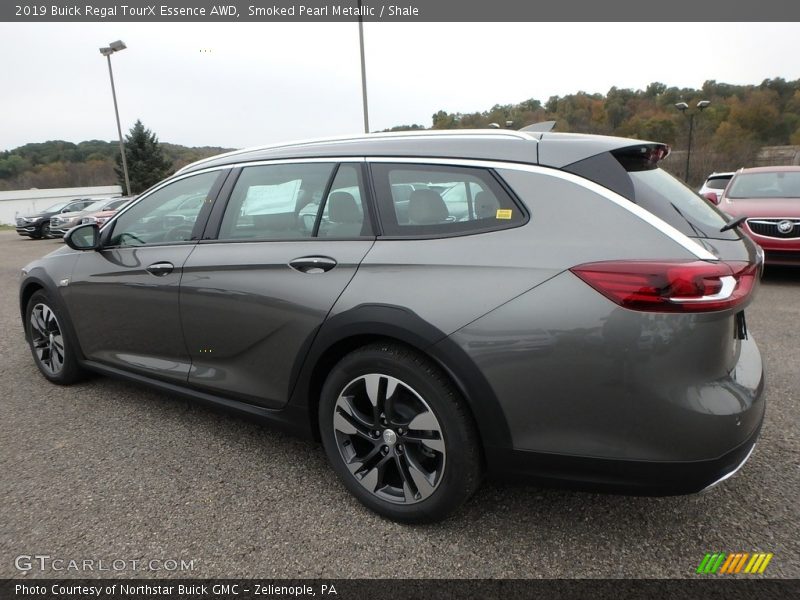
(791,168)
(544,148)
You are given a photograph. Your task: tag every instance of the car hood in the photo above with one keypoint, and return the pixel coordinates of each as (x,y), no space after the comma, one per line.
(762,207)
(70,215)
(102,213)
(37,215)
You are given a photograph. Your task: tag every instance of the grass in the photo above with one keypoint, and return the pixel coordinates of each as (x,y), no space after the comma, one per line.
(4,227)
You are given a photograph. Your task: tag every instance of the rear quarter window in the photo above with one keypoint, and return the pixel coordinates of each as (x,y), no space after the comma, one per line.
(437,200)
(669,199)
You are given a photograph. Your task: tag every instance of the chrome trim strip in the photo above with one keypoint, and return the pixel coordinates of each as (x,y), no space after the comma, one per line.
(773,220)
(728,475)
(668,230)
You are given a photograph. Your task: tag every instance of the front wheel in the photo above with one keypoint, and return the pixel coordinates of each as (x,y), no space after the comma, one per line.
(52,349)
(45,230)
(398,434)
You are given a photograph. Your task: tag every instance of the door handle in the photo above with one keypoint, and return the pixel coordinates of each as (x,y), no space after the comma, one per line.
(160,269)
(312,264)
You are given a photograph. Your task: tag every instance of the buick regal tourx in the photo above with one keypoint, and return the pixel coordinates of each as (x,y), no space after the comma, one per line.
(433,307)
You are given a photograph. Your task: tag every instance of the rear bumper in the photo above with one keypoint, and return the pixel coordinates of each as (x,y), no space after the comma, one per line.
(778,251)
(642,478)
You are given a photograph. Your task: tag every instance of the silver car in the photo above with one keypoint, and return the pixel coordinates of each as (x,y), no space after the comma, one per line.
(433,307)
(60,224)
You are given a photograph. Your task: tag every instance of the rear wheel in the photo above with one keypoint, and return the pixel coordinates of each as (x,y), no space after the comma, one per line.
(53,351)
(398,434)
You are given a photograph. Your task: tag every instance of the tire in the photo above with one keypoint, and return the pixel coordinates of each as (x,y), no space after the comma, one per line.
(399,435)
(44,230)
(54,352)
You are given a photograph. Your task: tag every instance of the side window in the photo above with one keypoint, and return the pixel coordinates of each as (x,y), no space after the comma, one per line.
(442,200)
(343,215)
(167,215)
(272,202)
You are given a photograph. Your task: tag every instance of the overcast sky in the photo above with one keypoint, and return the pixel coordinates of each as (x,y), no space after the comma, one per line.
(245,84)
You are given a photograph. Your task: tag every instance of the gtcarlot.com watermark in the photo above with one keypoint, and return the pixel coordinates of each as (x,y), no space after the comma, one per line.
(42,563)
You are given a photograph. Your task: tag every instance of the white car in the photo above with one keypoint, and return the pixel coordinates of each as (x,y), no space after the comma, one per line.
(714,185)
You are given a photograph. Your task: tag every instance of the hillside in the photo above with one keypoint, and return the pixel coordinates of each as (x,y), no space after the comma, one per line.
(741,120)
(63,164)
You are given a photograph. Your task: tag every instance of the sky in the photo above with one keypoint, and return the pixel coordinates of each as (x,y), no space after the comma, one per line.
(245,84)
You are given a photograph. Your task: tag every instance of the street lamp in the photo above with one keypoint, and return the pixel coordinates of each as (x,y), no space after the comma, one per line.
(683,107)
(363,68)
(107,52)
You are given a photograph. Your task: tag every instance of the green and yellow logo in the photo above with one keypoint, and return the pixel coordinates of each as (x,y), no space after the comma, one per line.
(738,562)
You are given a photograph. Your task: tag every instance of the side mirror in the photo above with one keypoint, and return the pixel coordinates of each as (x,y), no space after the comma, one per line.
(712,197)
(83,237)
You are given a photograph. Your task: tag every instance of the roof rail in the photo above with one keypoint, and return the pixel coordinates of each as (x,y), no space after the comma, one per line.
(507,133)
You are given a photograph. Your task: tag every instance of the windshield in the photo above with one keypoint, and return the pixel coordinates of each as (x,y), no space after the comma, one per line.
(56,207)
(718,183)
(775,184)
(95,206)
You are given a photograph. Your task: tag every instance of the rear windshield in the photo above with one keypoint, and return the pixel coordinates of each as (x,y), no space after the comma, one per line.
(777,184)
(718,183)
(669,199)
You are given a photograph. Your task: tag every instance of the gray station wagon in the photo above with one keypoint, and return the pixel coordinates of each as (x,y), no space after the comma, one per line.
(433,307)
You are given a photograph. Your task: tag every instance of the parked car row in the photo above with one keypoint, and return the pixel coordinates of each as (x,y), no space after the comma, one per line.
(766,201)
(59,218)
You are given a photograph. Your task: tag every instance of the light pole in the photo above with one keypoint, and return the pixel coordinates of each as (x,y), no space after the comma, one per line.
(683,107)
(107,52)
(363,68)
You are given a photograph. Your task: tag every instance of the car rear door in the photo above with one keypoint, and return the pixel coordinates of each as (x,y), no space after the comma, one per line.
(279,254)
(123,299)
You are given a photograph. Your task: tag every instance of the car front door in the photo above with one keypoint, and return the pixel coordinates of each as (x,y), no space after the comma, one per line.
(290,240)
(123,298)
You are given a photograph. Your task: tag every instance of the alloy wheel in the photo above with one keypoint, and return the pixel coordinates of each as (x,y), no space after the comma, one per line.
(389,438)
(47,339)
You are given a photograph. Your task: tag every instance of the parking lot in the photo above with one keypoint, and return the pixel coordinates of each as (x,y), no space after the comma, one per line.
(107,470)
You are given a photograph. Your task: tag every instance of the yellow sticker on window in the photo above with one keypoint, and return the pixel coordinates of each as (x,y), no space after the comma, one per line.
(503,213)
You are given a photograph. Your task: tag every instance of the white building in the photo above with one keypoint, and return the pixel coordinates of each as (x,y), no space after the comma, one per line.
(28,202)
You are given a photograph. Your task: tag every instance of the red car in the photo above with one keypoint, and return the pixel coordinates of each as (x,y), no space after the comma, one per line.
(769,198)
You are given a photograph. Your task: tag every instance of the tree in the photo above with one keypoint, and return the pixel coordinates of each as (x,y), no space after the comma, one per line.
(147,164)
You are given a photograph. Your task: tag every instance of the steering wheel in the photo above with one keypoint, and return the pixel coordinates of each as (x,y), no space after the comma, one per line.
(134,237)
(181,233)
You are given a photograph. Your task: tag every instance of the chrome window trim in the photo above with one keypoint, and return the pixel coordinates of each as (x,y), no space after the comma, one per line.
(665,228)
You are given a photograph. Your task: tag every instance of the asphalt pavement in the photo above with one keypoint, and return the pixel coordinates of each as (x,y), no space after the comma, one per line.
(110,471)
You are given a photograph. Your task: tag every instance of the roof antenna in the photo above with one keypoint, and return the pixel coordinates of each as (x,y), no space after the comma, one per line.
(543,126)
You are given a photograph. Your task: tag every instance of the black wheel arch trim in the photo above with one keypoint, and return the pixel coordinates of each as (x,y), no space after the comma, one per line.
(369,322)
(39,279)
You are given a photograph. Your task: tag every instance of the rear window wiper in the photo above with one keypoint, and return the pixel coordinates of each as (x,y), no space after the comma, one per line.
(732,224)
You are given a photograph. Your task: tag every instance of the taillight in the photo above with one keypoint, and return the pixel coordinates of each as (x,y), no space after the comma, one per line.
(670,286)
